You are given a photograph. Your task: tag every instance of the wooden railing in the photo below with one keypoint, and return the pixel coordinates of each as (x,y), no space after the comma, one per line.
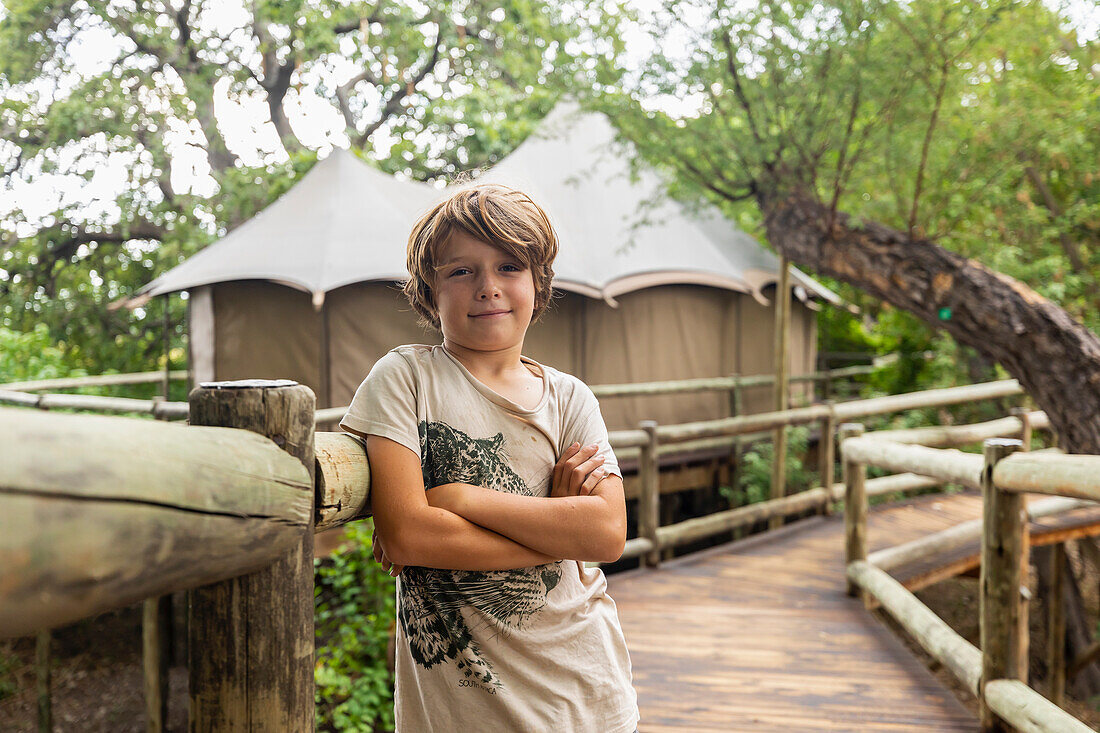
(997,672)
(101,512)
(35,393)
(648,442)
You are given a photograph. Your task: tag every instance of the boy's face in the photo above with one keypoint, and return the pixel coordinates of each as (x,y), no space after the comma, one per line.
(476,279)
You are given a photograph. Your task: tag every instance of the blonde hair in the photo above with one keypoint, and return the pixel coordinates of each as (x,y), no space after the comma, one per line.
(500,216)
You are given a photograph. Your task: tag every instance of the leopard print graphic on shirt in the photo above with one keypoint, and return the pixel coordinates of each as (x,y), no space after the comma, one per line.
(431,600)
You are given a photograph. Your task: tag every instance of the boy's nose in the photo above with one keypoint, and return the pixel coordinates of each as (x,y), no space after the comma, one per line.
(488,289)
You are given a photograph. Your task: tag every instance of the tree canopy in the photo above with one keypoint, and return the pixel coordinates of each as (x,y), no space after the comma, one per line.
(420,90)
(976,125)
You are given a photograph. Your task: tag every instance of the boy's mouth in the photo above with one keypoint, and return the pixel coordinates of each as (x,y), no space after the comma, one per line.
(490,314)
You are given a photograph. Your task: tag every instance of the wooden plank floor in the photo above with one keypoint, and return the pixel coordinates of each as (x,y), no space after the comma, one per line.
(758,634)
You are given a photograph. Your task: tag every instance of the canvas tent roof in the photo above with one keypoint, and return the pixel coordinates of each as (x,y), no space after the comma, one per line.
(612,244)
(347,222)
(344,222)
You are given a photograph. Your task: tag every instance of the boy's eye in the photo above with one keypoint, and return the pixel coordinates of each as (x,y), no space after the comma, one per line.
(461,270)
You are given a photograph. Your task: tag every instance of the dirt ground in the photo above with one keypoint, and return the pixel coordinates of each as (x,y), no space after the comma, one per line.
(97,679)
(97,676)
(956,601)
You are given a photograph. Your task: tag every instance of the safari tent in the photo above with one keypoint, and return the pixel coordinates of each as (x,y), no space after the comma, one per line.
(309,289)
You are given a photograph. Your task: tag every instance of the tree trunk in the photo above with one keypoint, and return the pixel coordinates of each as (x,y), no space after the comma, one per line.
(1056,359)
(1078,628)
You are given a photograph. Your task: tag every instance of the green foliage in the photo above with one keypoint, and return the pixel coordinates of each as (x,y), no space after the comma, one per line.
(354,613)
(454,85)
(970,123)
(28,355)
(755,478)
(9,663)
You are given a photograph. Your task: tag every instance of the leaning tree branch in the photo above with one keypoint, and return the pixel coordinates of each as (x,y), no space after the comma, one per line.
(1056,359)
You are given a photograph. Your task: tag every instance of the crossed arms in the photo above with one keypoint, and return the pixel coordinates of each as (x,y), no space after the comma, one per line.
(466,527)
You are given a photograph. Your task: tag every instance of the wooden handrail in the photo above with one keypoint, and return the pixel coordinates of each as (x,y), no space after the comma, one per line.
(101,512)
(935,636)
(946,464)
(12,393)
(1045,473)
(998,672)
(848,411)
(99,380)
(1029,711)
(946,436)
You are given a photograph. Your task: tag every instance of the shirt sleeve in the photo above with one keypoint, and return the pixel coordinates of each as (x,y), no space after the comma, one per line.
(385,403)
(585,425)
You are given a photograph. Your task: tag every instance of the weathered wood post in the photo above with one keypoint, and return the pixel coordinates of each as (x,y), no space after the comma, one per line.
(156,623)
(1002,610)
(1024,415)
(736,409)
(1056,626)
(826,448)
(649,497)
(43,678)
(855,507)
(42,681)
(156,647)
(251,637)
(782,384)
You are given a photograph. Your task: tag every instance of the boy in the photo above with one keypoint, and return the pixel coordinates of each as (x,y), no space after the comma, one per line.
(492,482)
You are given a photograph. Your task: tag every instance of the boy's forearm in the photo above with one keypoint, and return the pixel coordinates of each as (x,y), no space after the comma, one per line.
(448,541)
(576,527)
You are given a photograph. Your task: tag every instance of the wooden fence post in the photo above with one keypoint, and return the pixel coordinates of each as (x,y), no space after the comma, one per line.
(42,682)
(43,678)
(855,507)
(781,392)
(1056,626)
(826,448)
(737,408)
(649,498)
(1002,610)
(156,630)
(251,637)
(1024,416)
(156,648)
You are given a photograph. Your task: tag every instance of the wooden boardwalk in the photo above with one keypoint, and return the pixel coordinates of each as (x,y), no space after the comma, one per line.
(758,634)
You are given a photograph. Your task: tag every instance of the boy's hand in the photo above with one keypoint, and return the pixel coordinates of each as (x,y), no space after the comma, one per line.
(380,556)
(577,471)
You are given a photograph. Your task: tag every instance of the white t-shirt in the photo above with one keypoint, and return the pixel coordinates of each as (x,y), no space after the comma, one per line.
(536,649)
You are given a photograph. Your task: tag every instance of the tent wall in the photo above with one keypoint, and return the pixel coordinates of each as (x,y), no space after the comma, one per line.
(665,332)
(756,346)
(267,331)
(365,320)
(656,334)
(557,338)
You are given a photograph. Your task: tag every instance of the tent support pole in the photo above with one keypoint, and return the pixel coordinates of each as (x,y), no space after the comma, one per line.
(782,385)
(167,346)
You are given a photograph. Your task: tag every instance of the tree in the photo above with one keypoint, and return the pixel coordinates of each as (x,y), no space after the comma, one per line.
(853,129)
(893,146)
(421,90)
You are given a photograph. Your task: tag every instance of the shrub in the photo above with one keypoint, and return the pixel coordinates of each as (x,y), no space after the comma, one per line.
(354,613)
